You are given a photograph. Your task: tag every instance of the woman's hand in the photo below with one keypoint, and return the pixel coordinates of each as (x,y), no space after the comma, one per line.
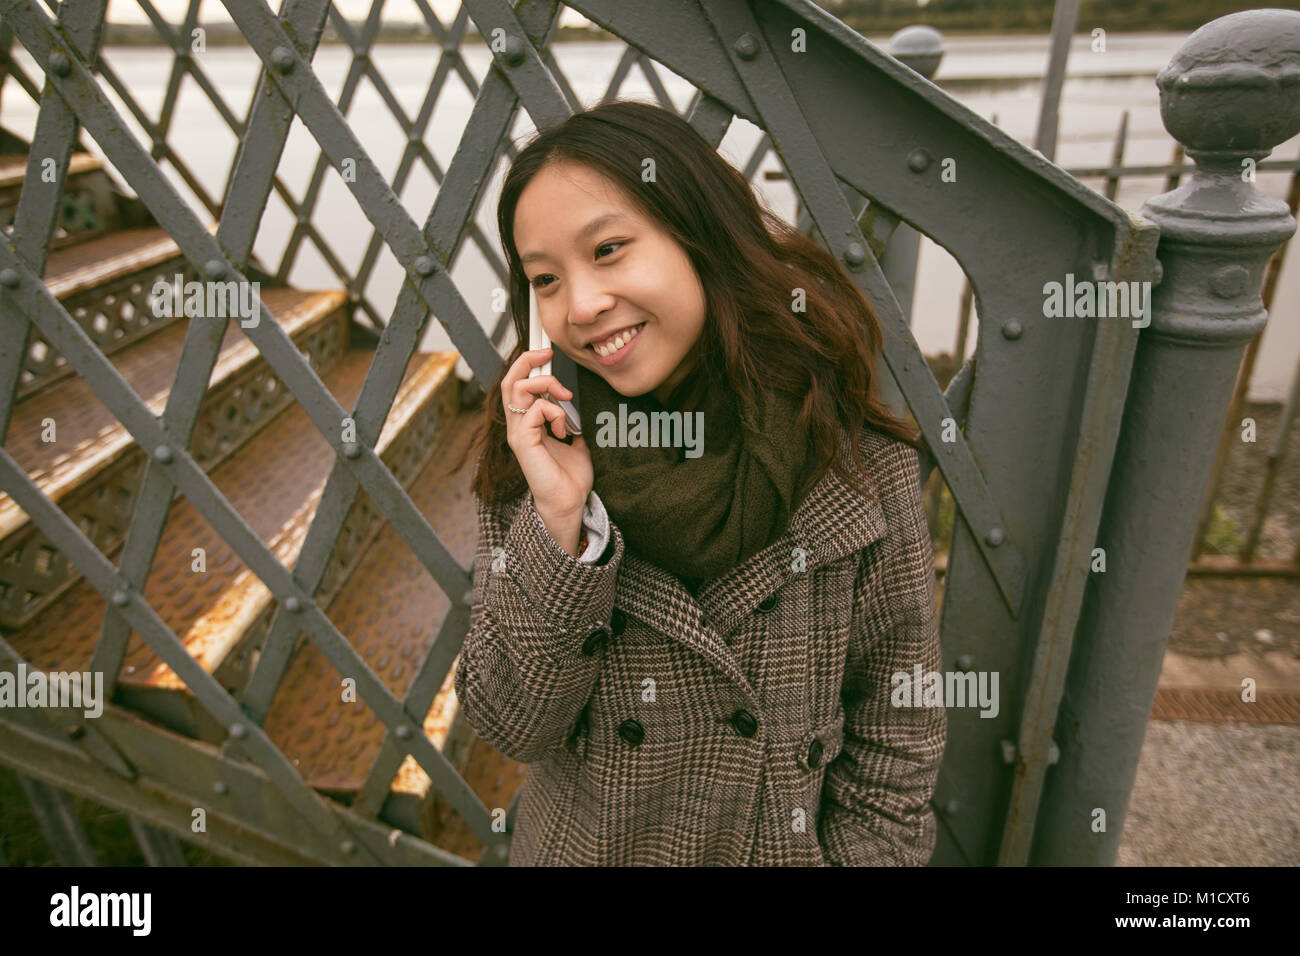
(560,475)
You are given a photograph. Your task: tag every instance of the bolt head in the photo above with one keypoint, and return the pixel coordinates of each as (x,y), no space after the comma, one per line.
(121,598)
(951,807)
(292,604)
(9,278)
(746,47)
(351,449)
(965,662)
(60,65)
(220,788)
(514,52)
(347,846)
(403,733)
(282,59)
(163,453)
(855,255)
(1012,330)
(215,268)
(238,731)
(919,160)
(994,537)
(424,265)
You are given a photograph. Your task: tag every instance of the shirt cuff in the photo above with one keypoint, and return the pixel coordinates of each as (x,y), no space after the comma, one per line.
(596,521)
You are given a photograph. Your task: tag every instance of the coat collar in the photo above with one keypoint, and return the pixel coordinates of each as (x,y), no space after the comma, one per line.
(834,520)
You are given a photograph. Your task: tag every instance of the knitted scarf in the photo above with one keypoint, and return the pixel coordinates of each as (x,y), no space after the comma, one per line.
(696,517)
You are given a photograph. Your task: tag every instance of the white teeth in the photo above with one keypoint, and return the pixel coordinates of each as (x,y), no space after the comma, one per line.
(616,343)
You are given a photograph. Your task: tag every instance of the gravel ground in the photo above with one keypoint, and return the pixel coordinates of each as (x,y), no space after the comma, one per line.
(1214,795)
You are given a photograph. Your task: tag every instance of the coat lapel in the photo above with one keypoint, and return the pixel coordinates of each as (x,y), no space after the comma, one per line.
(834,520)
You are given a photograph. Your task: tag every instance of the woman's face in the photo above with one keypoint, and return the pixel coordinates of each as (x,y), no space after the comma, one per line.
(600,269)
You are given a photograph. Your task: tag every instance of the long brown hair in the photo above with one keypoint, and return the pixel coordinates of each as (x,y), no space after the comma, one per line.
(752,339)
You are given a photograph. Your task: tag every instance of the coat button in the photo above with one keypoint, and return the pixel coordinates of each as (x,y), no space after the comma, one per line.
(815,753)
(767,603)
(744,723)
(594,641)
(631,731)
(617,622)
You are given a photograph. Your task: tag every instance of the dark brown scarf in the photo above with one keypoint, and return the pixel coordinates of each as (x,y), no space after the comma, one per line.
(699,517)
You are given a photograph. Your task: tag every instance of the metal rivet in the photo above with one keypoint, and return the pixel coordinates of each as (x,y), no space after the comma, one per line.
(215,268)
(503,852)
(220,788)
(403,733)
(965,662)
(855,255)
(951,807)
(1008,752)
(1012,330)
(292,604)
(1053,753)
(60,65)
(163,453)
(919,160)
(467,599)
(9,278)
(424,265)
(121,598)
(351,449)
(237,731)
(347,846)
(282,58)
(1229,282)
(514,53)
(994,537)
(746,47)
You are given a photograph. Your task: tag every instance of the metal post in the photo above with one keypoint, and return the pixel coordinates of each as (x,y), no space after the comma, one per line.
(1224,95)
(920,48)
(1063,21)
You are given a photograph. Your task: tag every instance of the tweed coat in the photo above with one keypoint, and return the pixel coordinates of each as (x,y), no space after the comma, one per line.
(747,724)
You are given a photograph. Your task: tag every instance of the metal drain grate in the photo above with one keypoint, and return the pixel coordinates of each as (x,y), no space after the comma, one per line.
(1222,706)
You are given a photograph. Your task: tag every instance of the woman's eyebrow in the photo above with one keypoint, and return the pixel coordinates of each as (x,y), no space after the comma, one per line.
(593,226)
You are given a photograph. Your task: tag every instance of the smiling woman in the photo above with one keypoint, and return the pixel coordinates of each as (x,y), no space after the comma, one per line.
(684,682)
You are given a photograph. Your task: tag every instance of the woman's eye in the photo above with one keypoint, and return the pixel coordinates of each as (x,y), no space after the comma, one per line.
(544,275)
(606,245)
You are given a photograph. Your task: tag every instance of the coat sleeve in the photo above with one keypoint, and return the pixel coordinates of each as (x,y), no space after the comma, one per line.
(876,795)
(522,678)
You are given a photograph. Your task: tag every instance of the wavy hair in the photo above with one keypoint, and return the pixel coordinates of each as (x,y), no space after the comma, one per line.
(752,339)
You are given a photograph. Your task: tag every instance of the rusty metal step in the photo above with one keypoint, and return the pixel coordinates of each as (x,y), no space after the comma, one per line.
(275,483)
(94,468)
(106,284)
(390,610)
(1219,706)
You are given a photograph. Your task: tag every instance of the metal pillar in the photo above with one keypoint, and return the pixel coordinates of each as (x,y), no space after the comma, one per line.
(921,48)
(1226,96)
(1049,115)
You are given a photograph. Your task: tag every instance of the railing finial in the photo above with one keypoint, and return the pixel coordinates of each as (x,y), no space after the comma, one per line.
(919,47)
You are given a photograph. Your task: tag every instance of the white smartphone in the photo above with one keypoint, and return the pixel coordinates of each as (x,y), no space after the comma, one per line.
(537,339)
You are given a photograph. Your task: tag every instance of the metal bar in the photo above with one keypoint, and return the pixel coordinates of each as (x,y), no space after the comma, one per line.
(62,830)
(1117,156)
(1173,169)
(246,819)
(821,193)
(255,163)
(100,573)
(1064,18)
(1100,416)
(38,206)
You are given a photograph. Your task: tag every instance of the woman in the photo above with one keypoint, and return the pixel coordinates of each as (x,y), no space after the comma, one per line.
(681,643)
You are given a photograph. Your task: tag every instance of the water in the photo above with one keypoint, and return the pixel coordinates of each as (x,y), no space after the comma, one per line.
(1103,87)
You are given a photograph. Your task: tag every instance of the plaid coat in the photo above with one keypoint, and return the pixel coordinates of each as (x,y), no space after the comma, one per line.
(749,724)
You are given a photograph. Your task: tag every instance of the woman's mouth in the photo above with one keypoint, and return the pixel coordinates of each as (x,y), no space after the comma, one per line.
(614,350)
